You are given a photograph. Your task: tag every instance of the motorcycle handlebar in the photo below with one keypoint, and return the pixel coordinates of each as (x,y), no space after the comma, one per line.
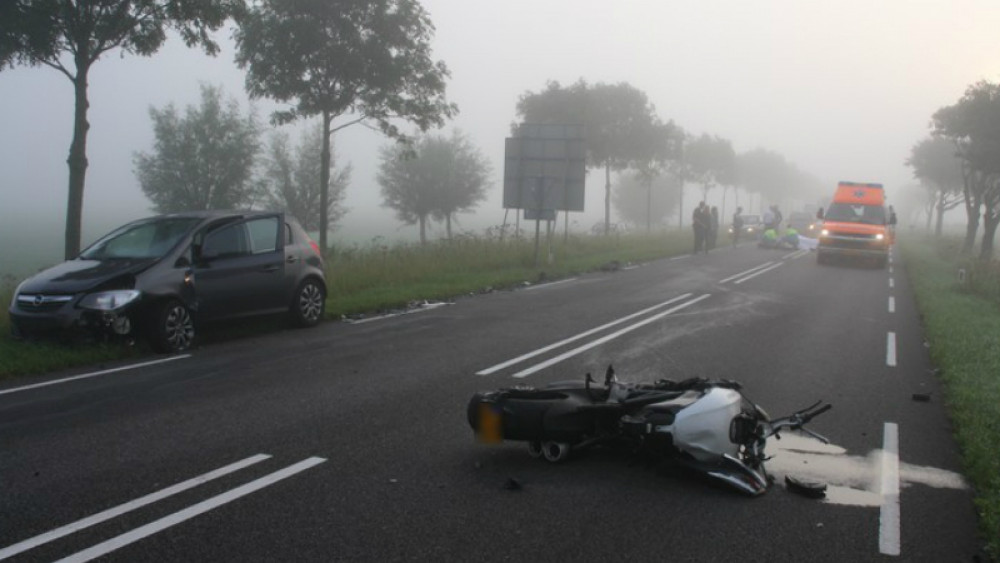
(809,416)
(798,420)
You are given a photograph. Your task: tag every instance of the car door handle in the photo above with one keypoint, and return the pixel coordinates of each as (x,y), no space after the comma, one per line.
(270,269)
(291,259)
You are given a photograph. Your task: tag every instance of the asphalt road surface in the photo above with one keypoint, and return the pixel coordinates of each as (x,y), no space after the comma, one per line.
(349,442)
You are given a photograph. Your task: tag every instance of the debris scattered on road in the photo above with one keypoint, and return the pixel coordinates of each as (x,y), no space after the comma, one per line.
(810,489)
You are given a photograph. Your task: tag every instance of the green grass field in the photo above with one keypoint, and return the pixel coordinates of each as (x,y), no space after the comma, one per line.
(963,329)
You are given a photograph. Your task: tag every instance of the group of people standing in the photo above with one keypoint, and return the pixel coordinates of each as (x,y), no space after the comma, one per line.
(705,222)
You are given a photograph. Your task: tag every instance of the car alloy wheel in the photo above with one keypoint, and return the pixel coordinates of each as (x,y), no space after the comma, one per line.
(309,303)
(176,330)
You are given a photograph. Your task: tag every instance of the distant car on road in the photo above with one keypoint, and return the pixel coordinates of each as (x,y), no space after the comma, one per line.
(159,277)
(752,226)
(805,223)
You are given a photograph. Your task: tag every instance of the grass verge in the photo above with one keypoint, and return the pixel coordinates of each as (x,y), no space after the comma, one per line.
(963,330)
(375,277)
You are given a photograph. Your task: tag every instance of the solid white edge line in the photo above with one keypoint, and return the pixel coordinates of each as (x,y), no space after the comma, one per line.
(124,508)
(890,350)
(745,272)
(892,304)
(541,285)
(141,532)
(889,520)
(540,366)
(95,374)
(755,274)
(421,309)
(539,351)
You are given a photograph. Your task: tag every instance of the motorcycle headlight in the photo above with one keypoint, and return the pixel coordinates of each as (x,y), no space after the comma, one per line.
(824,233)
(879,236)
(109,300)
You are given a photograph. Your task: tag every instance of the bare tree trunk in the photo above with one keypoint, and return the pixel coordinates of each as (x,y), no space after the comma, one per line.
(973,203)
(991,217)
(724,189)
(324,183)
(649,206)
(77,160)
(938,226)
(607,198)
(990,222)
(447,222)
(423,229)
(680,205)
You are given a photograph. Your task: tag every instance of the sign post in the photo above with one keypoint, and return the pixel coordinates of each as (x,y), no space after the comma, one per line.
(544,172)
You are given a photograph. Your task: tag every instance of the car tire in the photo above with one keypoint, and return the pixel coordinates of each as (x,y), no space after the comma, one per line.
(171,327)
(308,304)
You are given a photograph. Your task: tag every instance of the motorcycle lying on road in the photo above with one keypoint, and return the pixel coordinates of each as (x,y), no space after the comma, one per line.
(706,425)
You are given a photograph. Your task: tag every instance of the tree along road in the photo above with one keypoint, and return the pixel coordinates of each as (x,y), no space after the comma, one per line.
(349,442)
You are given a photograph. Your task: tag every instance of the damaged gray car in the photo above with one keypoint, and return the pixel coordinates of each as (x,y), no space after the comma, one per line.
(159,278)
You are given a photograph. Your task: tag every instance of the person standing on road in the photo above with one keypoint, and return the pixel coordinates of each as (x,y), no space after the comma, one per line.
(713,228)
(768,217)
(737,225)
(699,222)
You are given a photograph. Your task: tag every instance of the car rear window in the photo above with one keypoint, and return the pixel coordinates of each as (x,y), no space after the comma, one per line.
(263,234)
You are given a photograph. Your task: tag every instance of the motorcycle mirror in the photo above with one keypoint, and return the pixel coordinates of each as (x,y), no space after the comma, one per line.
(609,376)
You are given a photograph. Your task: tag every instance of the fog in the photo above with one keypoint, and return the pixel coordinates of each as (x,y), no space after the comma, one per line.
(842,90)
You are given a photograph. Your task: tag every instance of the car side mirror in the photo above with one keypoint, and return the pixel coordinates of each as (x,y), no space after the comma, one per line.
(182,262)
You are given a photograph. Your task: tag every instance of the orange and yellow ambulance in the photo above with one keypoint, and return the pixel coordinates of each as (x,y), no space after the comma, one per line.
(856,224)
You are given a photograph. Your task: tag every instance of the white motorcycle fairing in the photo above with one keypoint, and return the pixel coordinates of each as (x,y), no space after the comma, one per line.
(702,428)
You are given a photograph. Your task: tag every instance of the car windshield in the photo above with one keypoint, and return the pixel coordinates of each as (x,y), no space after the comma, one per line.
(151,238)
(868,214)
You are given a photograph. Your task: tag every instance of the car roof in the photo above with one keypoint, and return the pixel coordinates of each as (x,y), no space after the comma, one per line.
(216,214)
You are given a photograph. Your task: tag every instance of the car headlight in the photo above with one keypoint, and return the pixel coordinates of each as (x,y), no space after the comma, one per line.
(824,233)
(109,300)
(13,296)
(879,236)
